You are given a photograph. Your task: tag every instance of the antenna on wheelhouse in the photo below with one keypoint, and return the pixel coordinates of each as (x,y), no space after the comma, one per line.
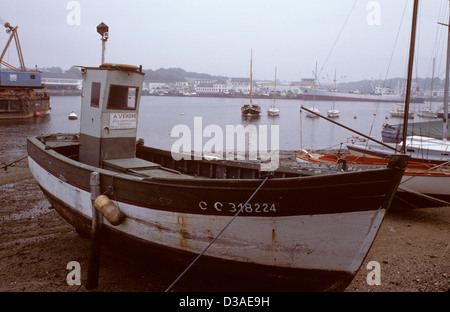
(103,30)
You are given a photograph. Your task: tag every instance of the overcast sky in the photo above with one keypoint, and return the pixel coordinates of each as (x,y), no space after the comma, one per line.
(354,38)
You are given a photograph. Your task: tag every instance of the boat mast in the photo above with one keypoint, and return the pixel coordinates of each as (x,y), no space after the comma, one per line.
(251,78)
(275,89)
(445,117)
(410,67)
(432,80)
(314,86)
(334,91)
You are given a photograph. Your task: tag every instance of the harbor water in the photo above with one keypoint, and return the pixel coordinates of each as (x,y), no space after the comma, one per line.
(160,114)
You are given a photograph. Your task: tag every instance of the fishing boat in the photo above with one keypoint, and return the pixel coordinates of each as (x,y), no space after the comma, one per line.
(21,94)
(284,230)
(273,110)
(251,110)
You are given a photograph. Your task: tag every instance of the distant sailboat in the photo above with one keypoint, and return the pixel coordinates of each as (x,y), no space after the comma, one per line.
(430,113)
(251,110)
(333,112)
(273,110)
(313,108)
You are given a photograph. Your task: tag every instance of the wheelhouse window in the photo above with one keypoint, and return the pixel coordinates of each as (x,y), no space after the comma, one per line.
(122,97)
(95,94)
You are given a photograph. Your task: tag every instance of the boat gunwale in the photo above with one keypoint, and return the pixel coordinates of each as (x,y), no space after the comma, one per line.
(171,181)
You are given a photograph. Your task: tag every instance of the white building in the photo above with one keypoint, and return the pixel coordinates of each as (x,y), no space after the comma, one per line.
(154,86)
(217,87)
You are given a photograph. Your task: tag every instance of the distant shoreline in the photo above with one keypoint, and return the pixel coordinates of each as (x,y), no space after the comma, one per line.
(235,96)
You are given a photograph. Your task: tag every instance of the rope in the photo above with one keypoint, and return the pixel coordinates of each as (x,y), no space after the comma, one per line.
(217,236)
(439,263)
(337,38)
(5,166)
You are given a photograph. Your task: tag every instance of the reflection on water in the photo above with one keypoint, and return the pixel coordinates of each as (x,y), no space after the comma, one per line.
(159,114)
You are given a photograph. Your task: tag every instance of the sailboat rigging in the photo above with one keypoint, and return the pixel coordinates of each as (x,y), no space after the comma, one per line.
(428,173)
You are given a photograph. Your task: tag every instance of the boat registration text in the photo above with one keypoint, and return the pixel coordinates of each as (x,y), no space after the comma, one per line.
(249,208)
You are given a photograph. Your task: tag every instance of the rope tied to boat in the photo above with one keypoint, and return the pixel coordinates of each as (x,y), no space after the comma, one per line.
(266,177)
(11,164)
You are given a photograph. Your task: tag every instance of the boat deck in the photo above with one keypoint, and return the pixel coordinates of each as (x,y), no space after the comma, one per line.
(143,168)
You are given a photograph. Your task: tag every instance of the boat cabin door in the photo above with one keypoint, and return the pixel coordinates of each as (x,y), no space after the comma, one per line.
(109,112)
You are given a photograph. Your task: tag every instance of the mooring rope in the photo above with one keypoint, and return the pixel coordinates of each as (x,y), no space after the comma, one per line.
(266,177)
(5,166)
(435,268)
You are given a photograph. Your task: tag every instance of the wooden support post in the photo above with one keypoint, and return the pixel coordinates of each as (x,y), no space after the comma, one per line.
(96,228)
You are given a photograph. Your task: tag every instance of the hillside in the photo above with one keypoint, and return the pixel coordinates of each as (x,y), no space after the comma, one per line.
(172,75)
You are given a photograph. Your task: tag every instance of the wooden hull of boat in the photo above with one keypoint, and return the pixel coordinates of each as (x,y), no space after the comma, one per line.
(300,233)
(419,177)
(420,155)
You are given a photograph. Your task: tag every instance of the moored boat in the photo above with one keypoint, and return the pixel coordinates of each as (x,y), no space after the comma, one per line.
(274,110)
(421,149)
(429,180)
(174,207)
(251,110)
(21,94)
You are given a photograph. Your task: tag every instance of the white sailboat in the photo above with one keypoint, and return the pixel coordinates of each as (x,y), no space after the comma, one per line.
(313,108)
(429,112)
(273,110)
(333,112)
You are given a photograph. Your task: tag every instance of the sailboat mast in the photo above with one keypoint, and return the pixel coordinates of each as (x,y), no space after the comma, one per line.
(334,91)
(251,78)
(315,78)
(275,88)
(444,119)
(410,68)
(432,80)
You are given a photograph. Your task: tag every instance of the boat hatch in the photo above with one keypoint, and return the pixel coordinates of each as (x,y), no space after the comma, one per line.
(141,167)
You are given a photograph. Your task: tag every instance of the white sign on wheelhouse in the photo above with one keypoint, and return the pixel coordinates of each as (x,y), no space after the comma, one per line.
(122,121)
